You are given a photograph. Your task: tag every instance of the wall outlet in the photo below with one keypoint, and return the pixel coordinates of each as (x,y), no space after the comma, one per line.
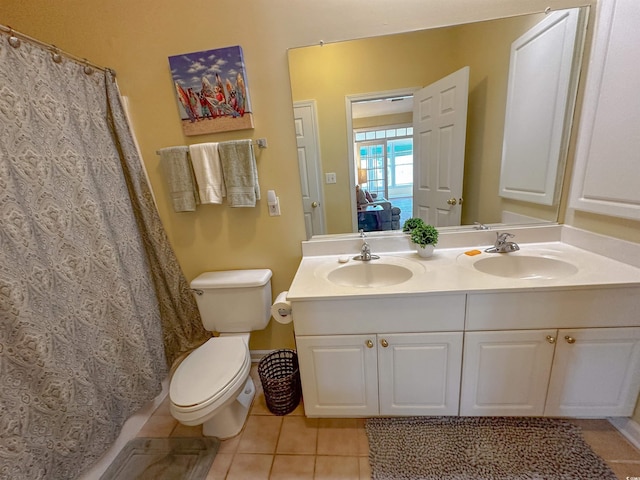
(274,208)
(330,177)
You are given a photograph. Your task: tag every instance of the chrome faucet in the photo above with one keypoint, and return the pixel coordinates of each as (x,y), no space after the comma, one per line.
(365,250)
(502,245)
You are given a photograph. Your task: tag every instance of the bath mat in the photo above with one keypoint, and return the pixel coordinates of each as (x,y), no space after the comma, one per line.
(481,448)
(164,459)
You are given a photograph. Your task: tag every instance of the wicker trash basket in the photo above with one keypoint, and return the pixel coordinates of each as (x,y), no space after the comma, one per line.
(280,378)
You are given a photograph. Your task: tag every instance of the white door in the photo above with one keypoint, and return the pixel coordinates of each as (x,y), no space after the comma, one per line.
(339,375)
(506,373)
(439,135)
(419,373)
(596,373)
(539,100)
(309,166)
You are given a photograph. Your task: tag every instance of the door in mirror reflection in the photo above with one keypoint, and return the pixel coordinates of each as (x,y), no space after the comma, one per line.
(309,166)
(440,131)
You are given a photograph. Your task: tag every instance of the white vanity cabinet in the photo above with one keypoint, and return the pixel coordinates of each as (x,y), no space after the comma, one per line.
(506,373)
(384,374)
(536,350)
(596,373)
(563,371)
(378,356)
(339,375)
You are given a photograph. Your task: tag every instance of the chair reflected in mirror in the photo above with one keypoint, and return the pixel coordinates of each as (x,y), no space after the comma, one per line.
(375,213)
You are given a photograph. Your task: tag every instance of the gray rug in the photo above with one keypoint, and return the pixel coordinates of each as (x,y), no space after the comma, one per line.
(164,459)
(481,448)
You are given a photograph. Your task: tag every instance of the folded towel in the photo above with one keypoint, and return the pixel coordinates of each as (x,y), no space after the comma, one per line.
(240,173)
(176,168)
(208,172)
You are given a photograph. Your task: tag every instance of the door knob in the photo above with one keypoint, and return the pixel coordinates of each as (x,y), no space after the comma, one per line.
(384,343)
(452,201)
(369,344)
(314,204)
(570,339)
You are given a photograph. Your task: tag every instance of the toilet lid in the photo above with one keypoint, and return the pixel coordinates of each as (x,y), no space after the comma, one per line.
(207,371)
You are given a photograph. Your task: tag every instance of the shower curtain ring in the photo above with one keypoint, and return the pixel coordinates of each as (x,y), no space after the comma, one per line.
(87,69)
(55,54)
(13,40)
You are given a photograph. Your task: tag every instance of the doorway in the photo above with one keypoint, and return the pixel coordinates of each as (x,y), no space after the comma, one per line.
(380,140)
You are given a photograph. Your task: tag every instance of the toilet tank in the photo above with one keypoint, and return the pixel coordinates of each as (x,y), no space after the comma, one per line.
(234,300)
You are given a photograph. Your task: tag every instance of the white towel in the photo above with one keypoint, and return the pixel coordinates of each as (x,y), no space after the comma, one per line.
(177,170)
(208,172)
(240,173)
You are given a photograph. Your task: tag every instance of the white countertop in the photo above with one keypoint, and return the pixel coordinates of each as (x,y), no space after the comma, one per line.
(449,270)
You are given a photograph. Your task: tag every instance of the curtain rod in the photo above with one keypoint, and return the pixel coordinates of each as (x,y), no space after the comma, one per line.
(14,41)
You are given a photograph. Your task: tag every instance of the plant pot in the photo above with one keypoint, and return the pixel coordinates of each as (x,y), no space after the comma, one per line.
(425,251)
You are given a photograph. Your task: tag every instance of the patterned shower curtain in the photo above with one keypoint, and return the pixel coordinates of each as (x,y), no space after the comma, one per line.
(92,301)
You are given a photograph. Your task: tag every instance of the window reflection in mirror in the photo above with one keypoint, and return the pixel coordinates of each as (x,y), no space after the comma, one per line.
(333,76)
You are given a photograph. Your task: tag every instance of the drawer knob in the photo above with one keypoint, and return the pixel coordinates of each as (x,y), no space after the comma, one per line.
(369,344)
(384,343)
(570,339)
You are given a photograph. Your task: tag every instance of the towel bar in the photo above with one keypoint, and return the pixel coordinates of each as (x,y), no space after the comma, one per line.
(260,142)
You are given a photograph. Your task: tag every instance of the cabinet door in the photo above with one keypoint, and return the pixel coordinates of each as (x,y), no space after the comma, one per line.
(506,373)
(605,178)
(596,373)
(419,373)
(339,375)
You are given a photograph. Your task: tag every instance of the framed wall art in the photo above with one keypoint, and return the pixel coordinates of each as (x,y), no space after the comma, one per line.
(212,91)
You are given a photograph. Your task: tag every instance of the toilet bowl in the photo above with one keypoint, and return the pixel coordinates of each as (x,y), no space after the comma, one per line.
(212,385)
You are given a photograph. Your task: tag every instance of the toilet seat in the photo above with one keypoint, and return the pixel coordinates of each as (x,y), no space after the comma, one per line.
(209,373)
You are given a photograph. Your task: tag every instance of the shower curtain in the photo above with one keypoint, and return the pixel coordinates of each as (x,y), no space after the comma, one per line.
(93,304)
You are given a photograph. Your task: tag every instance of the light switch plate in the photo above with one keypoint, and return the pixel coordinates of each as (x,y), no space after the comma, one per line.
(330,177)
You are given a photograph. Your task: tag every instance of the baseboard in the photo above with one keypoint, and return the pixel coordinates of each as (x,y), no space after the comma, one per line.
(256,355)
(628,428)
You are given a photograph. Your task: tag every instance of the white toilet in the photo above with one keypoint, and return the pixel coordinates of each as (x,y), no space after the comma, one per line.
(212,385)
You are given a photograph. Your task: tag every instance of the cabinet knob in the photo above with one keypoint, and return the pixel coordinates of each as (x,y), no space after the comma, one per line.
(384,343)
(369,344)
(570,339)
(551,339)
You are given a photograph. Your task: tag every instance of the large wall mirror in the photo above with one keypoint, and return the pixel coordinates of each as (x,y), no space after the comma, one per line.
(354,105)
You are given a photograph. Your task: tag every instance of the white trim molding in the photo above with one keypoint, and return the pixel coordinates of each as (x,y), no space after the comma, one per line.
(628,428)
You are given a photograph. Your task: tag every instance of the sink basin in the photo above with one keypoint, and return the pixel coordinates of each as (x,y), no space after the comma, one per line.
(367,274)
(384,272)
(525,267)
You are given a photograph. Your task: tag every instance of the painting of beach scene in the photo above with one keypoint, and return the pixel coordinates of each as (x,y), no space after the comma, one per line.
(212,91)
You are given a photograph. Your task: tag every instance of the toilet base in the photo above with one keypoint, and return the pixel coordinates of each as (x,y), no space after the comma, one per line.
(228,422)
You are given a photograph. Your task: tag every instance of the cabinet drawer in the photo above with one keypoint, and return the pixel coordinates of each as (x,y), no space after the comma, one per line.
(424,313)
(598,307)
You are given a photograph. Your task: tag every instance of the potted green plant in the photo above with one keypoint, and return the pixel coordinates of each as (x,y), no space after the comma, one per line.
(411,223)
(425,237)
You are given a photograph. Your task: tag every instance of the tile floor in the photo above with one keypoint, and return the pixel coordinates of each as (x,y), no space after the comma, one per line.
(300,448)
